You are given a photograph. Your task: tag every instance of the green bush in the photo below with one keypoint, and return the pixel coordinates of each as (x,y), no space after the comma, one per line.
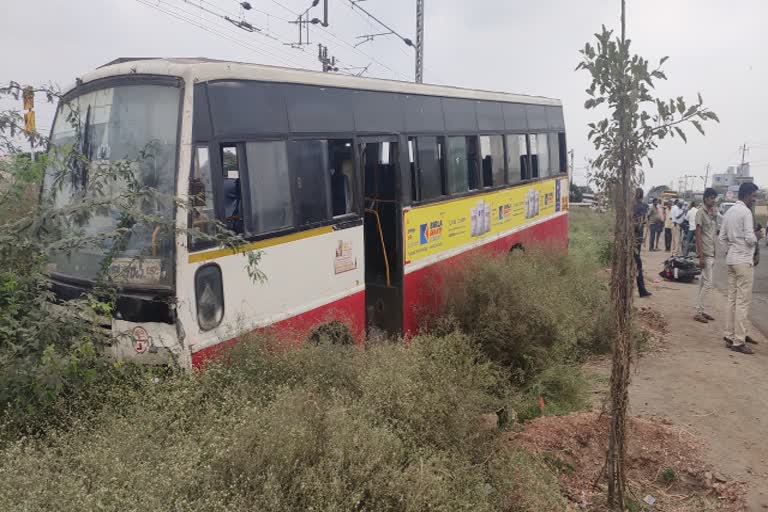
(529,310)
(591,235)
(324,427)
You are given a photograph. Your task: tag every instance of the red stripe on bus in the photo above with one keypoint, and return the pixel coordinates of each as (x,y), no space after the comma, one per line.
(349,310)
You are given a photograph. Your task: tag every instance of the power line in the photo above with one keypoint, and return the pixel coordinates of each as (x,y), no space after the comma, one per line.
(192,21)
(356,5)
(336,37)
(241,23)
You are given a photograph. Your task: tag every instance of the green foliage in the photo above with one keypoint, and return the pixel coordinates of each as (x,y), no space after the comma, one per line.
(576,195)
(325,427)
(591,235)
(626,84)
(563,389)
(668,475)
(530,310)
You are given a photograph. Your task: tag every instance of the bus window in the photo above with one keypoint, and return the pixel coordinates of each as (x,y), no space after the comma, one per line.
(309,160)
(270,186)
(539,155)
(563,150)
(517,158)
(492,153)
(415,192)
(458,173)
(429,174)
(554,154)
(473,165)
(232,193)
(202,215)
(341,165)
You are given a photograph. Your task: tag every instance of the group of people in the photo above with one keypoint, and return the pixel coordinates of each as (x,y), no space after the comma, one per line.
(697,228)
(676,221)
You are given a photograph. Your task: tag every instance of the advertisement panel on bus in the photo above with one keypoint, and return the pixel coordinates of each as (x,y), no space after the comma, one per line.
(431,229)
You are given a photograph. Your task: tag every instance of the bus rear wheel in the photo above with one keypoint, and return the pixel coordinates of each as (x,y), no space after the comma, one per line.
(334,332)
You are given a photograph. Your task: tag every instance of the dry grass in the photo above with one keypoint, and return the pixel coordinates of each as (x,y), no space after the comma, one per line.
(392,427)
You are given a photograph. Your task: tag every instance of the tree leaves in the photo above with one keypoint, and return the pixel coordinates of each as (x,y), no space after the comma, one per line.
(625,83)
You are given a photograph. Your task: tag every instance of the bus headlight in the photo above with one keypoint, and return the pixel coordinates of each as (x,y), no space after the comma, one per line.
(209,293)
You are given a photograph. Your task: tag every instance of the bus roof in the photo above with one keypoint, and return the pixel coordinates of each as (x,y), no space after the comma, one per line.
(204,70)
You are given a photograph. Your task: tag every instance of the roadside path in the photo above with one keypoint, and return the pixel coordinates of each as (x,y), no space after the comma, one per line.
(700,385)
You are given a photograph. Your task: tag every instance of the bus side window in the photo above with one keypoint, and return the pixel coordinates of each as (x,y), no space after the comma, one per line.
(563,150)
(341,166)
(458,174)
(231,189)
(270,187)
(309,161)
(517,159)
(492,152)
(473,159)
(202,214)
(539,155)
(415,193)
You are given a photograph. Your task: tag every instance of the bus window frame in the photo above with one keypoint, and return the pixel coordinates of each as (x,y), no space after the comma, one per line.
(118,81)
(484,190)
(215,148)
(506,164)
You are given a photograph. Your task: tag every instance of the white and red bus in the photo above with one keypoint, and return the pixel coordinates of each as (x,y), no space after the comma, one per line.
(358,192)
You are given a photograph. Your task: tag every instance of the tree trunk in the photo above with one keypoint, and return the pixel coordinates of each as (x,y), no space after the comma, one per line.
(622,284)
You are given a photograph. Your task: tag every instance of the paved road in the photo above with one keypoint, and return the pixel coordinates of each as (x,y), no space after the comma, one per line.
(759,312)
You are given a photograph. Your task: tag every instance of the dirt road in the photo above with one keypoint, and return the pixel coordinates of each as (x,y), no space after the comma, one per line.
(720,395)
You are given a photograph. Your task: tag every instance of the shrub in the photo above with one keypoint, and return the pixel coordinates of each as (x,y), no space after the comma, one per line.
(323,427)
(529,310)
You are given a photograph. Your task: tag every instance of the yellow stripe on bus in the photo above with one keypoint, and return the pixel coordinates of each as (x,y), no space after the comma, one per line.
(261,244)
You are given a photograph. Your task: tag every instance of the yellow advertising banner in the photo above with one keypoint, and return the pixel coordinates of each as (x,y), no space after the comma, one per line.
(439,227)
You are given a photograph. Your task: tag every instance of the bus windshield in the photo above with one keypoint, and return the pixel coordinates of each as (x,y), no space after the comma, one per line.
(132,128)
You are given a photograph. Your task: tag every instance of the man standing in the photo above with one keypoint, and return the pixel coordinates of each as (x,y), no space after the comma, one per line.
(690,229)
(677,220)
(740,238)
(639,213)
(653,225)
(704,228)
(668,226)
(662,212)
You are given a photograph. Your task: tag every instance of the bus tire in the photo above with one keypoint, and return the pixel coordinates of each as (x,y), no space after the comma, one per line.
(517,248)
(334,332)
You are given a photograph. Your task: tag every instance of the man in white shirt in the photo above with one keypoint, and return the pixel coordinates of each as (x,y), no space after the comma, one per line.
(678,215)
(690,232)
(738,235)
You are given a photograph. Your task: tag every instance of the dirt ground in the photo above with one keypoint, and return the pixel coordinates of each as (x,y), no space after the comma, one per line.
(701,386)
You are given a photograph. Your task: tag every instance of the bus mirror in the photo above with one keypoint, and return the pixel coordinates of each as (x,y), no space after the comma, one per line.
(209,293)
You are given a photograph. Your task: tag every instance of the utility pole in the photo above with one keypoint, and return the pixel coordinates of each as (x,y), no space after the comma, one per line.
(419,41)
(706,177)
(570,167)
(743,153)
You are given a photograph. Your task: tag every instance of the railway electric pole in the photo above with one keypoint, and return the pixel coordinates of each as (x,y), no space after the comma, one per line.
(706,177)
(419,41)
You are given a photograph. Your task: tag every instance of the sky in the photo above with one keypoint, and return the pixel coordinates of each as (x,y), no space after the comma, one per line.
(716,47)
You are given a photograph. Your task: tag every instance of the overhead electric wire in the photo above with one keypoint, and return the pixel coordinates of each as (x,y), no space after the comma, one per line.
(192,21)
(332,34)
(354,7)
(231,20)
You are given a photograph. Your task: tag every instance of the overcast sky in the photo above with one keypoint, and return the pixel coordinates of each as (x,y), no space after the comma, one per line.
(716,47)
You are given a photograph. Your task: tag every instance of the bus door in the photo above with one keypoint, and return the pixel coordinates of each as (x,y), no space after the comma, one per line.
(382,227)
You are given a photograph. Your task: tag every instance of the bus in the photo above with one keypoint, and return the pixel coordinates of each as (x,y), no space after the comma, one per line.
(358,193)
